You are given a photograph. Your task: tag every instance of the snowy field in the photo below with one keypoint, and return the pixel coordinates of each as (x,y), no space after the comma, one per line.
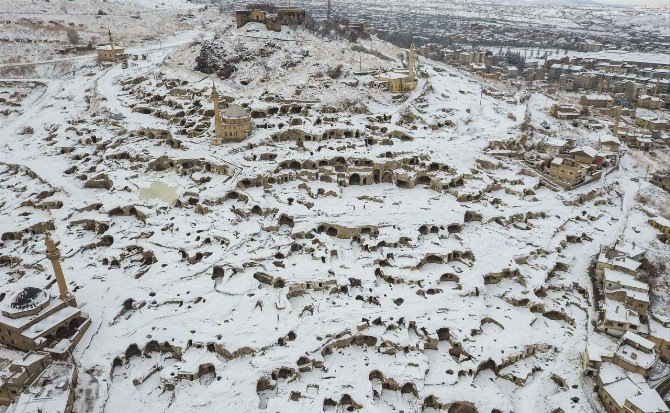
(459,281)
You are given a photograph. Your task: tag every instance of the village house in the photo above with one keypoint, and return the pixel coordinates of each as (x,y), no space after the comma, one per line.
(20,373)
(110,52)
(659,334)
(622,391)
(52,391)
(568,171)
(272,17)
(620,374)
(558,69)
(651,123)
(400,80)
(625,288)
(635,353)
(554,146)
(564,111)
(589,46)
(620,257)
(617,319)
(586,155)
(636,139)
(661,224)
(610,144)
(597,101)
(234,125)
(649,102)
(662,179)
(33,320)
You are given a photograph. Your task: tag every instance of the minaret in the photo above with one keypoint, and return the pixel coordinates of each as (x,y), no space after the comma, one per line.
(54,256)
(111,44)
(217,113)
(411,63)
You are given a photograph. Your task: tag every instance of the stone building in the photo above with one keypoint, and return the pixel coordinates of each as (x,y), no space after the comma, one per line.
(400,80)
(34,320)
(234,125)
(568,171)
(52,391)
(659,334)
(20,373)
(625,288)
(110,52)
(649,102)
(597,101)
(651,123)
(563,111)
(661,224)
(662,179)
(272,17)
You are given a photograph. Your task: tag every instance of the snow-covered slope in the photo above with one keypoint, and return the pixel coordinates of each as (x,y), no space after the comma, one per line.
(385,262)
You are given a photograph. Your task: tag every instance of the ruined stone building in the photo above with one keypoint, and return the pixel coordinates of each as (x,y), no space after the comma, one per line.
(20,373)
(110,52)
(32,319)
(400,80)
(233,125)
(272,17)
(52,391)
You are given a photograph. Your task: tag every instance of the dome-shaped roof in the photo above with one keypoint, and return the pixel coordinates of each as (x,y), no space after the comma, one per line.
(235,112)
(29,297)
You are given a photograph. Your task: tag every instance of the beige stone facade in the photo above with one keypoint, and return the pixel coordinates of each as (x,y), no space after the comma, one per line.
(234,125)
(400,81)
(272,17)
(110,52)
(33,320)
(568,171)
(20,373)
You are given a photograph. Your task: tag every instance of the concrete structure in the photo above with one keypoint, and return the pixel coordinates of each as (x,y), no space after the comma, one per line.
(33,320)
(234,125)
(400,80)
(272,17)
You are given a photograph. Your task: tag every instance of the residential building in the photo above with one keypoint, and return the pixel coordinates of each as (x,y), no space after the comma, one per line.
(597,101)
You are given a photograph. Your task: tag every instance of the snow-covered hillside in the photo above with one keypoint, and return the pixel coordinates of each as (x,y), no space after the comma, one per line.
(360,250)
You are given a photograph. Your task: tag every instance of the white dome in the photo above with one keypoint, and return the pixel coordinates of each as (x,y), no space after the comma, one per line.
(235,112)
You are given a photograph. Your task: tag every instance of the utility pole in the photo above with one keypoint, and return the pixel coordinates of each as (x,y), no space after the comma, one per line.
(328,13)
